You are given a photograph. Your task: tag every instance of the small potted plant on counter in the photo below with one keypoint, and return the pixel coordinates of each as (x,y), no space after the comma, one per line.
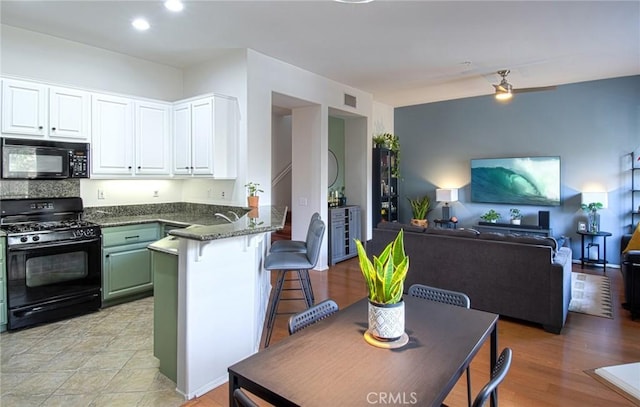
(516,216)
(253,198)
(491,216)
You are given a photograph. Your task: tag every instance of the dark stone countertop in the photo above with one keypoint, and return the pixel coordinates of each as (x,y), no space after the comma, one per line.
(204,226)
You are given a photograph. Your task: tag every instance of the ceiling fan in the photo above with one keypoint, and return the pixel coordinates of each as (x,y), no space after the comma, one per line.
(504,90)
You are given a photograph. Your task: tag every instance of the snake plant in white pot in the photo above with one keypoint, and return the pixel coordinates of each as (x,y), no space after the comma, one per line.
(385,283)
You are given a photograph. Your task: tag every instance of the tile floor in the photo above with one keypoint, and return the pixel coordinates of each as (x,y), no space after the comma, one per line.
(100,359)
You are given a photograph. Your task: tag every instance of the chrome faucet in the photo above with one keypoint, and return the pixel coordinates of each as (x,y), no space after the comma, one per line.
(220,215)
(235,215)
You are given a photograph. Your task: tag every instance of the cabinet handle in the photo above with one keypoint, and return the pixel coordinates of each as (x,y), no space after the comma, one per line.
(40,127)
(129,167)
(132,237)
(139,167)
(186,168)
(107,255)
(53,128)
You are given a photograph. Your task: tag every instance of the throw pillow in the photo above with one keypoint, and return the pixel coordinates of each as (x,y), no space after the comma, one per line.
(634,243)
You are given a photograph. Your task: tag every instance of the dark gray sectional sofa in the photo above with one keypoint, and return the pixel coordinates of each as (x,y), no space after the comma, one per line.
(523,277)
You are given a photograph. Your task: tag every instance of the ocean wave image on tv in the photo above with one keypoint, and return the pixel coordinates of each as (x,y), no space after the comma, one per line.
(525,181)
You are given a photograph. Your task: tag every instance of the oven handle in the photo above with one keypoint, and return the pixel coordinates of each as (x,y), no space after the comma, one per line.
(52,245)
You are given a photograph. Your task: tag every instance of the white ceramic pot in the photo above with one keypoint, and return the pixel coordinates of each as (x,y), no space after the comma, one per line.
(515,221)
(386,321)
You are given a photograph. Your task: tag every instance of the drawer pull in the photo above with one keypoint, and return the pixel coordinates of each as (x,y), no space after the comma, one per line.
(133,237)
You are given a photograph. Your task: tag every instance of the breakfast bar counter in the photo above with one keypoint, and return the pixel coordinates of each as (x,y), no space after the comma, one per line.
(222,295)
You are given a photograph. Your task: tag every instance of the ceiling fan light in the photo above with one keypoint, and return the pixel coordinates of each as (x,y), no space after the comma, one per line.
(503,94)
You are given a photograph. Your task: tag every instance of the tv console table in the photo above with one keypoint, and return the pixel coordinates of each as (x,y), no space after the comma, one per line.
(514,229)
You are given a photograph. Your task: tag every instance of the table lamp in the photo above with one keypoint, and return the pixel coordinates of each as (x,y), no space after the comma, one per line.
(446,195)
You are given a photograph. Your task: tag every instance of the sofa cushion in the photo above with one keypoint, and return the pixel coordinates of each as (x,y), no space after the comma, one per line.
(539,240)
(452,232)
(397,226)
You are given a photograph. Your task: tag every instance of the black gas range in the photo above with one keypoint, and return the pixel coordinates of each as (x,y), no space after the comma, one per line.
(54,266)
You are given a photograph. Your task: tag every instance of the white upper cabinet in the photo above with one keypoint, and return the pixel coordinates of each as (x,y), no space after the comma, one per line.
(153,138)
(34,110)
(112,135)
(205,137)
(202,137)
(69,114)
(130,137)
(182,139)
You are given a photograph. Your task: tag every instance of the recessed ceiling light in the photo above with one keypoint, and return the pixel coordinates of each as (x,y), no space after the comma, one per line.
(140,24)
(174,5)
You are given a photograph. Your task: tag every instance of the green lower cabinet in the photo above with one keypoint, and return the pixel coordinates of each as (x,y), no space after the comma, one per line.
(165,312)
(126,263)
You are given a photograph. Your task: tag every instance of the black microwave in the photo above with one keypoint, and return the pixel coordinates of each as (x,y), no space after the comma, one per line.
(43,159)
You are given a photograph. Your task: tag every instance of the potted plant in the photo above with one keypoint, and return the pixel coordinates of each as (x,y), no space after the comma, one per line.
(516,216)
(252,190)
(593,223)
(419,209)
(491,216)
(385,283)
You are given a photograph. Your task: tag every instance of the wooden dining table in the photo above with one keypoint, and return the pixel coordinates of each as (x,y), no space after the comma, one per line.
(331,364)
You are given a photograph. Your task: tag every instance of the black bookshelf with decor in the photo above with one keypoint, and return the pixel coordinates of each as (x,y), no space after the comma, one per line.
(385,186)
(635,190)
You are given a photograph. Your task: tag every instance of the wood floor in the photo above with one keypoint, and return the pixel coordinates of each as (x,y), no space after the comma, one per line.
(547,369)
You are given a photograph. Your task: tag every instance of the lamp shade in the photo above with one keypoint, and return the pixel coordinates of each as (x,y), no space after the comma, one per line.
(590,197)
(446,194)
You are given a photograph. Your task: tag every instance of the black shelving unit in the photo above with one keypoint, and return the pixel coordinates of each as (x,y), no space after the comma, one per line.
(635,190)
(385,186)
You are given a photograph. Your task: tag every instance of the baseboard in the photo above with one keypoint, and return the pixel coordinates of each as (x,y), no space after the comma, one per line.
(609,265)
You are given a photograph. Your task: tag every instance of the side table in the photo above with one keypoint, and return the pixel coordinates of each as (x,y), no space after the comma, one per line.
(602,261)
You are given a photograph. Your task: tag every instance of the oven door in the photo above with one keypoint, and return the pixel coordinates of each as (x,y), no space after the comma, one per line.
(53,280)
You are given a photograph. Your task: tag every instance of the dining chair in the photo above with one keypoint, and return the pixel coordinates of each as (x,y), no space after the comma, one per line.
(300,263)
(294,245)
(497,376)
(242,400)
(312,315)
(447,297)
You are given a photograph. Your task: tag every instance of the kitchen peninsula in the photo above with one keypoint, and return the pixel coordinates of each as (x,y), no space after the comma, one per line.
(223,290)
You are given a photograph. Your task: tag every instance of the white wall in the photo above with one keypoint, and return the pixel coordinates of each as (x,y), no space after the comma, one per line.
(226,74)
(32,55)
(382,118)
(266,76)
(281,158)
(129,192)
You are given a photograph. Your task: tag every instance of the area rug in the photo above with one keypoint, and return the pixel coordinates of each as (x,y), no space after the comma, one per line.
(623,379)
(591,294)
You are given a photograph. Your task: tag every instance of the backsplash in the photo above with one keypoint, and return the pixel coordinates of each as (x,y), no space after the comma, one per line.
(39,188)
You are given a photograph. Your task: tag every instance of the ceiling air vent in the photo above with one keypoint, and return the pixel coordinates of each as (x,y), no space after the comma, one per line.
(349,100)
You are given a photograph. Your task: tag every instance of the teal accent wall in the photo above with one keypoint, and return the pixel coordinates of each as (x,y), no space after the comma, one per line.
(592,126)
(336,144)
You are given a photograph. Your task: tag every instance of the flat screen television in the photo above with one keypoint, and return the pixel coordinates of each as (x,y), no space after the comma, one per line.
(518,180)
